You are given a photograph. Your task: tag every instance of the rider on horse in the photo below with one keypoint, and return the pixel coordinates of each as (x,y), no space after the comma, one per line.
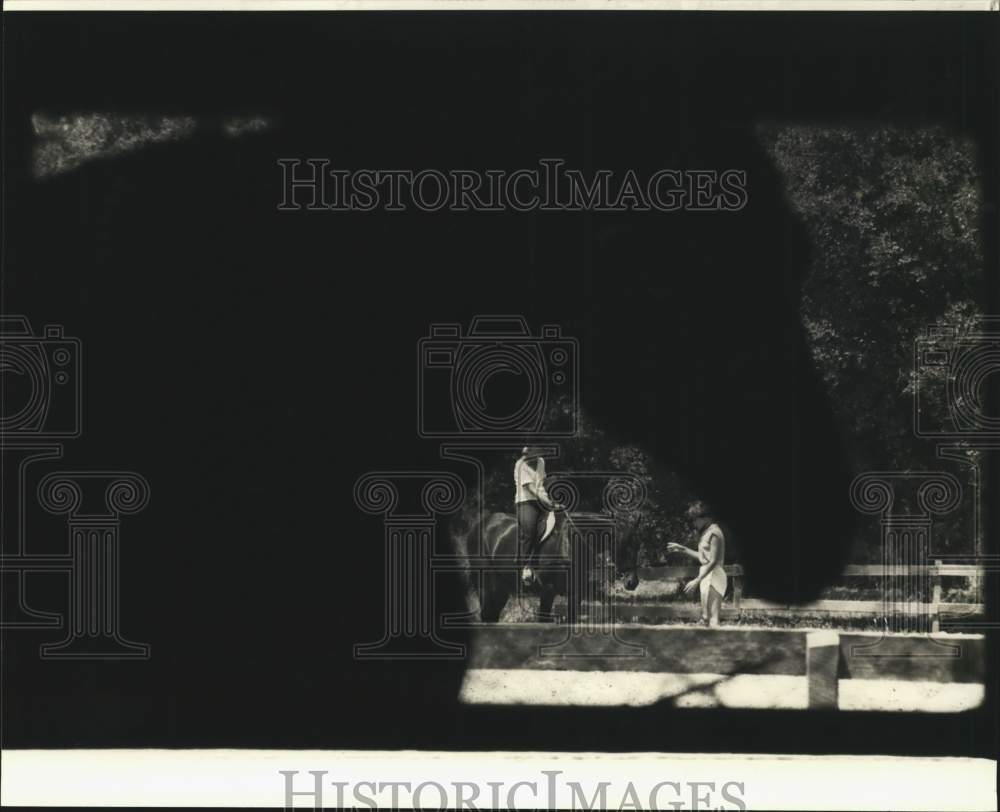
(531,502)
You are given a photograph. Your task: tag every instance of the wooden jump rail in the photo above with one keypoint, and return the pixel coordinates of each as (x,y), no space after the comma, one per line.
(935,609)
(823,657)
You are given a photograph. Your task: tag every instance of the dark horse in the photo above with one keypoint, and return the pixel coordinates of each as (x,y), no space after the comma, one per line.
(556,557)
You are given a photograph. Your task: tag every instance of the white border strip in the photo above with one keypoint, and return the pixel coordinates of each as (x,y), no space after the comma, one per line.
(251,778)
(502,5)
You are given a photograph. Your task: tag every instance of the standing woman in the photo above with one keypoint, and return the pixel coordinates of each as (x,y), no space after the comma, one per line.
(711,554)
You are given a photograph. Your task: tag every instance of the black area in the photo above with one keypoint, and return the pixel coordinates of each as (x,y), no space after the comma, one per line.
(253,363)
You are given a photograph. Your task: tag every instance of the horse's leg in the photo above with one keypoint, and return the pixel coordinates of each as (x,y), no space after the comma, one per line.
(548,598)
(494,597)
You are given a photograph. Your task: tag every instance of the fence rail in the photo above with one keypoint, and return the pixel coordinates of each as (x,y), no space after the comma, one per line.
(871,570)
(735,603)
(825,658)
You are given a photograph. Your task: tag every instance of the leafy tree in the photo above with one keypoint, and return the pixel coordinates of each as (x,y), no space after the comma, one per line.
(893,215)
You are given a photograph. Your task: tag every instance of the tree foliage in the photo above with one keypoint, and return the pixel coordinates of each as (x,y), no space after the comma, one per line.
(894,220)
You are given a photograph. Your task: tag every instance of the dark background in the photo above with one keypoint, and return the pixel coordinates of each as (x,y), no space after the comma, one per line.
(251,363)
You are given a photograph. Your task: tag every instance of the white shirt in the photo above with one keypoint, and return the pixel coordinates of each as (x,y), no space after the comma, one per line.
(705,545)
(524,474)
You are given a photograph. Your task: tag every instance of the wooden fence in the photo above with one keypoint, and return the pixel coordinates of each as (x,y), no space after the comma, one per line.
(735,602)
(823,657)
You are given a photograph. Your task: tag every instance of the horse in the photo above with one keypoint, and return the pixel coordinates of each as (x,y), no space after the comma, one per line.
(555,558)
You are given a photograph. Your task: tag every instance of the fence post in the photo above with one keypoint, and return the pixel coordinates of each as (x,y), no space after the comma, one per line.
(936,599)
(822,666)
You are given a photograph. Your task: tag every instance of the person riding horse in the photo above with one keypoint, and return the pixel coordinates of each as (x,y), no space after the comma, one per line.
(519,542)
(531,501)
